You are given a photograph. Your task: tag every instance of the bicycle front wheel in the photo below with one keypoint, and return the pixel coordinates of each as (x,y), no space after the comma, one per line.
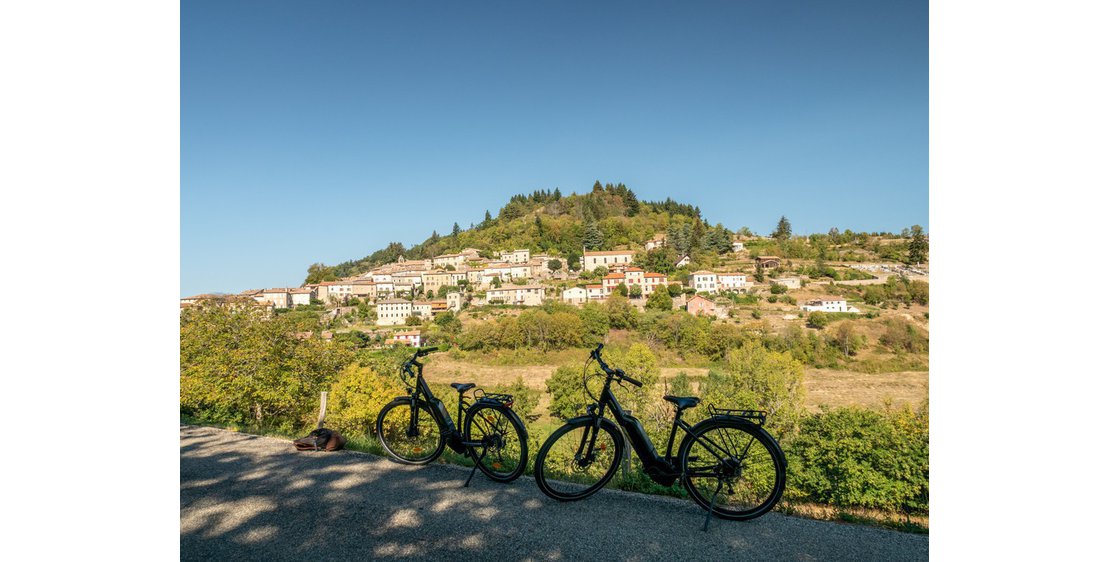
(733,466)
(408,432)
(578,460)
(503,455)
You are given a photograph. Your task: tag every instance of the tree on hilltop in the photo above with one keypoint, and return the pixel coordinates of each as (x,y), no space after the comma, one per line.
(782,231)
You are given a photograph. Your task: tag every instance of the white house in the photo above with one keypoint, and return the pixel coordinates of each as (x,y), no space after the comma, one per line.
(658,241)
(575,295)
(735,282)
(789,282)
(422,309)
(737,246)
(411,337)
(393,312)
(454,301)
(684,261)
(704,281)
(609,259)
(527,295)
(300,296)
(828,305)
(277,297)
(595,292)
(516,256)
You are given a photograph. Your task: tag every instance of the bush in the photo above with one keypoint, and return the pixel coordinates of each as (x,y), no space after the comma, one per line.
(818,319)
(567,394)
(852,457)
(659,300)
(777,288)
(356,397)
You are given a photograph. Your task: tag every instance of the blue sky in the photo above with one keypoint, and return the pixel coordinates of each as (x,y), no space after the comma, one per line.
(320,131)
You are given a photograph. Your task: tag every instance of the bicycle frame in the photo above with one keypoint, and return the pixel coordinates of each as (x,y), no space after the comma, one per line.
(661,469)
(420,391)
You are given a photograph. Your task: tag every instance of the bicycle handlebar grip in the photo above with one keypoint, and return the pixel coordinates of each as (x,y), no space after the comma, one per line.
(425,350)
(630,379)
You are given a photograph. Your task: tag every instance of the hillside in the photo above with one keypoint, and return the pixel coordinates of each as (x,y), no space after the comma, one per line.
(612,217)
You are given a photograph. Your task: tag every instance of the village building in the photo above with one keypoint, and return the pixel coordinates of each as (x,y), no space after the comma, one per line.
(734,282)
(768,262)
(298,297)
(410,338)
(701,305)
(704,282)
(789,282)
(516,256)
(608,259)
(527,295)
(435,279)
(470,254)
(453,260)
(737,246)
(828,304)
(454,301)
(422,309)
(574,295)
(682,262)
(658,241)
(364,288)
(339,291)
(393,312)
(385,289)
(278,297)
(595,292)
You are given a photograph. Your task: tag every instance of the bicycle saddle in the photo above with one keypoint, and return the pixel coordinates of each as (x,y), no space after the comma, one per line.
(683,402)
(462,386)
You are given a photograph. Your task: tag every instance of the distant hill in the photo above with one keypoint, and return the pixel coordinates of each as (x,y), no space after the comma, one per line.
(608,217)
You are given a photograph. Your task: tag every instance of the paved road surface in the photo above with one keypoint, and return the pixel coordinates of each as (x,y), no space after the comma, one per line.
(245,497)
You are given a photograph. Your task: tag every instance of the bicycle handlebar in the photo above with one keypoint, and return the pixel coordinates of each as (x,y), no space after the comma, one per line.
(618,373)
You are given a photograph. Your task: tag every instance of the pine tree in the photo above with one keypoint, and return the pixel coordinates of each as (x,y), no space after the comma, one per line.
(557,195)
(782,231)
(455,230)
(539,227)
(597,187)
(435,237)
(593,239)
(919,245)
(487,220)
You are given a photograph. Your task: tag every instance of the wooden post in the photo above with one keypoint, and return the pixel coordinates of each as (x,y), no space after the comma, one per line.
(323,409)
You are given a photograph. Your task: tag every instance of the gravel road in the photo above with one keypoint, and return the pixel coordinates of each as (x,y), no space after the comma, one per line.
(245,497)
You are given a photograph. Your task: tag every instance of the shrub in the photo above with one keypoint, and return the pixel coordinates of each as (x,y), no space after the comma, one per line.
(567,394)
(818,320)
(356,397)
(853,457)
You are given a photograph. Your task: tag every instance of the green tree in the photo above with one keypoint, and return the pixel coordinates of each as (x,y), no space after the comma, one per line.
(782,231)
(757,378)
(919,245)
(818,319)
(621,290)
(319,272)
(593,239)
(554,265)
(567,394)
(635,291)
(660,300)
(621,314)
(455,230)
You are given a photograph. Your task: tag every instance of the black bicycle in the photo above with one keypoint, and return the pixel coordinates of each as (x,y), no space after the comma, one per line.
(413,429)
(728,463)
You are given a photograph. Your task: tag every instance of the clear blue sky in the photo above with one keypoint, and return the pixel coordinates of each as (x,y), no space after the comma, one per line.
(320,131)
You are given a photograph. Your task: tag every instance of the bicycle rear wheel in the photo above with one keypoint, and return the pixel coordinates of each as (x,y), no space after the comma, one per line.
(734,466)
(408,442)
(578,460)
(504,454)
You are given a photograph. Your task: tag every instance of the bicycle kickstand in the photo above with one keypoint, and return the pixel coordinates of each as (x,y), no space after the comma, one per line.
(712,504)
(475,469)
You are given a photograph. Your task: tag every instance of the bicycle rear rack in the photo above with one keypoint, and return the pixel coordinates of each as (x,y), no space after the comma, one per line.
(503,399)
(758,416)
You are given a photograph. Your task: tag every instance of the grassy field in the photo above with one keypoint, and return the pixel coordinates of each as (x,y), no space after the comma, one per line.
(823,386)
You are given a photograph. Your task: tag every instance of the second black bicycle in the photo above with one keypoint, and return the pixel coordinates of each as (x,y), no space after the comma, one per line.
(414,429)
